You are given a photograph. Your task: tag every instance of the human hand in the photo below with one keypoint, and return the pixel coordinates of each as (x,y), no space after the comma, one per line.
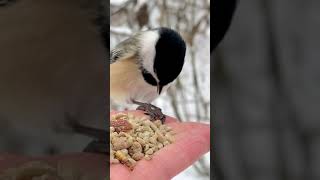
(192,140)
(71,166)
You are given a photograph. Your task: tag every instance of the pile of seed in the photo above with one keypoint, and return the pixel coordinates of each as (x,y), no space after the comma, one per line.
(134,138)
(40,170)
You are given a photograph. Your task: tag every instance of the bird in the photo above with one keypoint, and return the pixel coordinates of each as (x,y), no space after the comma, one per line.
(52,72)
(144,65)
(222,12)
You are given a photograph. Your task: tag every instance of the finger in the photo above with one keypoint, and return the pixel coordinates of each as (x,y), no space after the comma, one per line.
(192,141)
(119,172)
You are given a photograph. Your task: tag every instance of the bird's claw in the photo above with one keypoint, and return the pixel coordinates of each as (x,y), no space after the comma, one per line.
(154,112)
(99,145)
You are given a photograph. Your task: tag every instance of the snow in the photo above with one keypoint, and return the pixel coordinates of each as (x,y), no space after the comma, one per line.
(117,2)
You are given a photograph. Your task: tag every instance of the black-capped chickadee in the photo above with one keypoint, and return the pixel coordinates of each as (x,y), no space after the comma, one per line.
(144,65)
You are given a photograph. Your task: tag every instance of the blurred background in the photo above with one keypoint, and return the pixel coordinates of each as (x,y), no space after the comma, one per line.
(51,68)
(189,97)
(266,93)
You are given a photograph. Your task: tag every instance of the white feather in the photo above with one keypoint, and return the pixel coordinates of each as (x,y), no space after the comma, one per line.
(148,50)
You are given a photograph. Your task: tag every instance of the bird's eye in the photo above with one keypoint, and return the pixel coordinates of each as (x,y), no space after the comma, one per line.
(149,78)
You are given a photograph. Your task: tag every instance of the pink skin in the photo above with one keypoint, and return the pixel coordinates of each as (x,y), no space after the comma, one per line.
(192,140)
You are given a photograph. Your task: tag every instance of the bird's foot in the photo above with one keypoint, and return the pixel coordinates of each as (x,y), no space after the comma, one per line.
(154,112)
(99,145)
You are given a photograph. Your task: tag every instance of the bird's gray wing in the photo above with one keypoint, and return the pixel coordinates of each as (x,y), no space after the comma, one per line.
(128,47)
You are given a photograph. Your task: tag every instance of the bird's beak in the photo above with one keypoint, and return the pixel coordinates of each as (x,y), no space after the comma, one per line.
(159,88)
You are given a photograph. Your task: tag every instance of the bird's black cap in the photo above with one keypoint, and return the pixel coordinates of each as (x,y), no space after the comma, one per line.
(222,13)
(170,54)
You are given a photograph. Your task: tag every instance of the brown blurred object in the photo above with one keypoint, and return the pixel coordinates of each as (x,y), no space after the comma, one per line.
(143,15)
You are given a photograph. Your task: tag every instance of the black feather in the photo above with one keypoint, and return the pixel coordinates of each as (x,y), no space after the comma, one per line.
(170,54)
(222,12)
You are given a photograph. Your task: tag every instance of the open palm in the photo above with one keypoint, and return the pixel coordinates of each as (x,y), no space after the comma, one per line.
(192,140)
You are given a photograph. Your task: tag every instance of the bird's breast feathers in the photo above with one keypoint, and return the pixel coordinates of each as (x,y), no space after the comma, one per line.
(127,83)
